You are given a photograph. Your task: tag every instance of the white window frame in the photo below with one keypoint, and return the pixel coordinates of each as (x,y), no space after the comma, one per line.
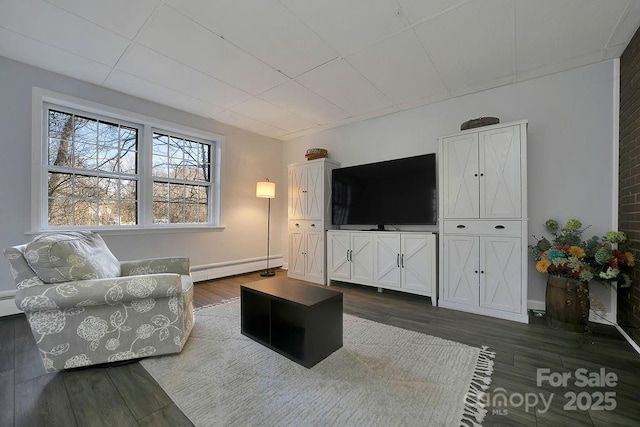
(147,125)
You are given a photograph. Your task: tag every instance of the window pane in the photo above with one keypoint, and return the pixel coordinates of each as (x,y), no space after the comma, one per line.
(108,212)
(160,144)
(108,158)
(108,134)
(86,130)
(85,155)
(176,212)
(129,162)
(85,187)
(128,213)
(60,125)
(85,212)
(128,189)
(160,166)
(60,185)
(60,211)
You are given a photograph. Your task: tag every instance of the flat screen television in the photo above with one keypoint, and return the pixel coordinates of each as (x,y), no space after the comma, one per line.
(393,192)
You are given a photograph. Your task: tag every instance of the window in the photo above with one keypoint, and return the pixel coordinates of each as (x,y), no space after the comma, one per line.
(181,180)
(92,175)
(102,168)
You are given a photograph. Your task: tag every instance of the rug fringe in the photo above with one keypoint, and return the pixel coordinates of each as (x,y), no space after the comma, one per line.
(474,411)
(224,301)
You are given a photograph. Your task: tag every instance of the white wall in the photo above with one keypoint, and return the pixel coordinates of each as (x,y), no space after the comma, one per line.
(247,158)
(569,143)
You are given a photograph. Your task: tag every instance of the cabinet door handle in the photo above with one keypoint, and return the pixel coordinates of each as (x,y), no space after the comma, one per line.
(476,271)
(481,271)
(461,226)
(499,227)
(481,174)
(475,174)
(398,260)
(313,225)
(297,225)
(402,261)
(348,259)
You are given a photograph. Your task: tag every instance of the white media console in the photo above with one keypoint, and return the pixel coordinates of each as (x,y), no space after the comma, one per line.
(399,260)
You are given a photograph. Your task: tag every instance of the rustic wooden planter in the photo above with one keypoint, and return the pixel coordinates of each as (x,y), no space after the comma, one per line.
(567,304)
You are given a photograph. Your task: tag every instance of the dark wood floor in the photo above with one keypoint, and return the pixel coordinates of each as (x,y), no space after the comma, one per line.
(127,396)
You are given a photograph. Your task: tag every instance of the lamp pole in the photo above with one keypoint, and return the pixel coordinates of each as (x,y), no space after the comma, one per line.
(266,189)
(267,272)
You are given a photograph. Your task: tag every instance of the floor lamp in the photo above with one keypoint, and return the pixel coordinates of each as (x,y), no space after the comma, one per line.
(267,190)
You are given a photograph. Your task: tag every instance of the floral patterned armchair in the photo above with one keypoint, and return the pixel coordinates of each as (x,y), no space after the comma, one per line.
(85,307)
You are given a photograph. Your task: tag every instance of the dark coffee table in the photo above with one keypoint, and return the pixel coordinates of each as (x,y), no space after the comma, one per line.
(299,321)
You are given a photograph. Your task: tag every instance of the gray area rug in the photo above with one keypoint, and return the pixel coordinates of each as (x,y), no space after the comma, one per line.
(383,376)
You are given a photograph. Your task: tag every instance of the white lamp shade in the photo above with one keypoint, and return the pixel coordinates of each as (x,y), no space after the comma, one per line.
(266,189)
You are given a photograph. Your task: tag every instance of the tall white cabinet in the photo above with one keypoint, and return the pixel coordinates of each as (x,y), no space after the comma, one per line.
(483,221)
(309,214)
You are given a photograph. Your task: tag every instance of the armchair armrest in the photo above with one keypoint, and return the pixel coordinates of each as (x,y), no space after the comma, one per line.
(98,292)
(154,266)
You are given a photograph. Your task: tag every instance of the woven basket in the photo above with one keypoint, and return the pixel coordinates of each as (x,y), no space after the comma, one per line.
(479,122)
(316,153)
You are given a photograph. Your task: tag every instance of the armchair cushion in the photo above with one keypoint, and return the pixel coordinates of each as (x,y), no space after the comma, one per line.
(69,256)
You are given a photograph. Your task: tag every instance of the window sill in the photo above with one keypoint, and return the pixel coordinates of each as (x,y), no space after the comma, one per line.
(139,230)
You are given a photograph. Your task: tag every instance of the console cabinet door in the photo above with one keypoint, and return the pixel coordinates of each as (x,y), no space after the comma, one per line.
(500,282)
(361,257)
(461,269)
(387,260)
(460,167)
(500,193)
(338,247)
(418,262)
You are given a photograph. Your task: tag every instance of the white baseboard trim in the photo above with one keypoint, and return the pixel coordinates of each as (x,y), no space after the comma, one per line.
(230,268)
(7,306)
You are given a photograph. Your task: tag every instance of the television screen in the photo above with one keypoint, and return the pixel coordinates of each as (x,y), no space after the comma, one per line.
(401,191)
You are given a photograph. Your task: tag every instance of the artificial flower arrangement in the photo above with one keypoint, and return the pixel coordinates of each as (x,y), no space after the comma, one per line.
(568,255)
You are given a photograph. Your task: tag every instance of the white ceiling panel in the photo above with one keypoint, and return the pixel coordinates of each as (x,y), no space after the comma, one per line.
(349,25)
(264,28)
(295,97)
(286,68)
(419,10)
(238,120)
(549,31)
(135,86)
(56,27)
(30,51)
(342,85)
(124,17)
(179,37)
(159,69)
(400,68)
(258,109)
(473,45)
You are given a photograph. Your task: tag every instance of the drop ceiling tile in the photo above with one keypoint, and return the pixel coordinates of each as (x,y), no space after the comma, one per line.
(399,67)
(238,120)
(349,25)
(38,54)
(264,28)
(186,41)
(135,86)
(473,45)
(557,67)
(161,70)
(419,10)
(124,17)
(263,111)
(549,32)
(627,28)
(294,97)
(342,85)
(56,27)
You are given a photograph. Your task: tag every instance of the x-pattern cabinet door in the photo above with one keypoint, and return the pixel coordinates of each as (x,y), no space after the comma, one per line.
(500,193)
(501,265)
(387,260)
(461,269)
(418,262)
(314,249)
(460,160)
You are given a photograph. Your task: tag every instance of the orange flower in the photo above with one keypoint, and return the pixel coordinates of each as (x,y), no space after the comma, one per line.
(543,265)
(631,260)
(577,251)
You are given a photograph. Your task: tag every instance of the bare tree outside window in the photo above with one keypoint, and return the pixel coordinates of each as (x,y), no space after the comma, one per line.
(181,180)
(92,179)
